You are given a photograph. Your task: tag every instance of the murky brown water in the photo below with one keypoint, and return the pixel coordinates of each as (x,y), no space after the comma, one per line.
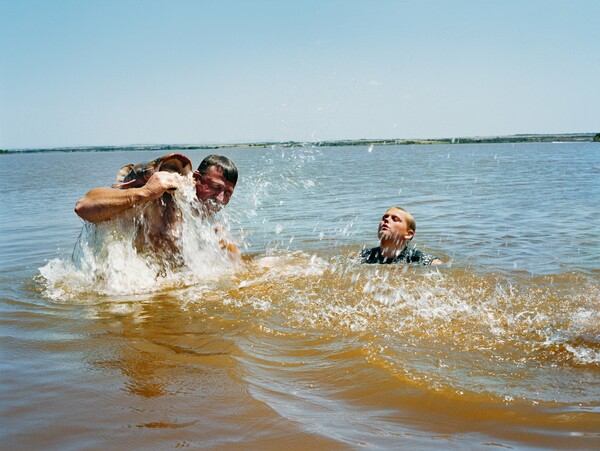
(303,347)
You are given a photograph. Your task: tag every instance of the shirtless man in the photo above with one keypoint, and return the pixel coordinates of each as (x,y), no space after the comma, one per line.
(396,229)
(215,181)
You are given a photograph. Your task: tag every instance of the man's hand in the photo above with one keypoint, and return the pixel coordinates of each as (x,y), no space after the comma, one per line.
(160,182)
(232,250)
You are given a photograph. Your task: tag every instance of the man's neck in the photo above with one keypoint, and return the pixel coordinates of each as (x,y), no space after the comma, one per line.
(392,249)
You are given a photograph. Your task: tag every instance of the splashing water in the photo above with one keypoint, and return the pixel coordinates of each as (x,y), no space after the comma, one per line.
(108,259)
(428,327)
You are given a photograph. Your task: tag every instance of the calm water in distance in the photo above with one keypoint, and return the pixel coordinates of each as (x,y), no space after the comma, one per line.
(303,347)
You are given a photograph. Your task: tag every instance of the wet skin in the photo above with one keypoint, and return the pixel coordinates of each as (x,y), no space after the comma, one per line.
(212,189)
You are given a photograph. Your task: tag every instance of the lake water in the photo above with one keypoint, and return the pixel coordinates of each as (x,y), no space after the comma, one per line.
(301,347)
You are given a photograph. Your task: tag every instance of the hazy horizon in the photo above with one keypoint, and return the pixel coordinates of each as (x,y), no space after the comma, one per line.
(240,143)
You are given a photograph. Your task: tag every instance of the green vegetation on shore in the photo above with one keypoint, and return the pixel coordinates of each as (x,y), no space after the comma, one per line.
(523,138)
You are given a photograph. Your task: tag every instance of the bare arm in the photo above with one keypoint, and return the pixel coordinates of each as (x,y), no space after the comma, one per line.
(102,204)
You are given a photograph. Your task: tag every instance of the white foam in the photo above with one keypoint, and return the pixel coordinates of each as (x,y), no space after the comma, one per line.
(106,261)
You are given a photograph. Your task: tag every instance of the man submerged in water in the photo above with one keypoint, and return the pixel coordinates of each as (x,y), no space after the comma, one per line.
(396,229)
(152,205)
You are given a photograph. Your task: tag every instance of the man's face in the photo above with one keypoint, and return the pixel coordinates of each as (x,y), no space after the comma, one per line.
(393,225)
(213,190)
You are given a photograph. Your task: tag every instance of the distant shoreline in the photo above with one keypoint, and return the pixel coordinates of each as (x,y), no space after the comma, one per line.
(522,138)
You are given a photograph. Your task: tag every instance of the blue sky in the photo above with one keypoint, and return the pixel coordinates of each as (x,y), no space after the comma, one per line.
(104,72)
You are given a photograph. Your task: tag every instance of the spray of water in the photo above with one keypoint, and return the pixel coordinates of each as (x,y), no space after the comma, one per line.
(116,258)
(399,313)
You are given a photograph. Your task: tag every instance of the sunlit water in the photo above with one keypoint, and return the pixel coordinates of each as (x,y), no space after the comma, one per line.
(301,346)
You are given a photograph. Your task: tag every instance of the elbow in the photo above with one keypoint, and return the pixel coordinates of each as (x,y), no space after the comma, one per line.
(80,209)
(83,210)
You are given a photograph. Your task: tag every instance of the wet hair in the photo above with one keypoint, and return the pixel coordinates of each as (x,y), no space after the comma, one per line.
(229,169)
(410,221)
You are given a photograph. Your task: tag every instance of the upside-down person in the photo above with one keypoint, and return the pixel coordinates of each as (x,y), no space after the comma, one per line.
(144,191)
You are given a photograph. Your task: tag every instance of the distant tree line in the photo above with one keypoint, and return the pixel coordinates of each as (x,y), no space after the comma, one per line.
(568,137)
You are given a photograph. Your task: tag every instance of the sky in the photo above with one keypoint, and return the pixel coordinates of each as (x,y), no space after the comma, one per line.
(127,72)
